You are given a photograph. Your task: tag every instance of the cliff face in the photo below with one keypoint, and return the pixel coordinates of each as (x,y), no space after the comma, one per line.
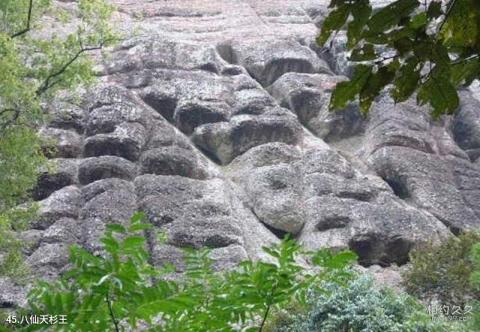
(212,118)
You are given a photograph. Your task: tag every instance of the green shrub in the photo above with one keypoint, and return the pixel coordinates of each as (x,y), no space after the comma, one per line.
(361,307)
(442,271)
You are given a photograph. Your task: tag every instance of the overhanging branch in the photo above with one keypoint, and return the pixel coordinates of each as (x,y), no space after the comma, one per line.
(47,84)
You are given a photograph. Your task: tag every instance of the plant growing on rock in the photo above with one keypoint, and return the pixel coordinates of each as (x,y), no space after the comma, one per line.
(427,48)
(121,290)
(35,64)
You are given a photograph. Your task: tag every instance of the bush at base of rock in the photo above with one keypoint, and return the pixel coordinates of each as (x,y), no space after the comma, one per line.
(121,290)
(441,272)
(361,307)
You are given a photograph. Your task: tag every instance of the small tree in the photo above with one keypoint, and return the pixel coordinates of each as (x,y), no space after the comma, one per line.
(34,65)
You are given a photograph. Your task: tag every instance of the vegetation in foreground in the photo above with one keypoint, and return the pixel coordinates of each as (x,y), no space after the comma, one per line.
(120,290)
(34,65)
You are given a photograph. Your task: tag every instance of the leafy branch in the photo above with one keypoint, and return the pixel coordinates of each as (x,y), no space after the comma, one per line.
(30,66)
(47,84)
(425,57)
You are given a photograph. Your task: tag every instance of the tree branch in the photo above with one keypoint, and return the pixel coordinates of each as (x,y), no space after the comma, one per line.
(12,120)
(47,83)
(267,311)
(112,315)
(29,18)
(383,59)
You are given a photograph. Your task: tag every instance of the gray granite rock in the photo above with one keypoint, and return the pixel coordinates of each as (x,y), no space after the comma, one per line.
(212,118)
(127,141)
(269,60)
(224,141)
(60,173)
(308,95)
(61,143)
(97,168)
(466,125)
(172,161)
(65,202)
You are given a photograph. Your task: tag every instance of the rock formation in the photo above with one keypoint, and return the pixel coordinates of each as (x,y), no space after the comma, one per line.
(211,116)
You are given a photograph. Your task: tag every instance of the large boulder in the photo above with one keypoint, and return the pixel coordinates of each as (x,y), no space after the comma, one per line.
(173,160)
(190,114)
(156,53)
(60,173)
(127,141)
(318,195)
(61,143)
(308,95)
(109,201)
(196,213)
(224,141)
(466,125)
(417,157)
(267,60)
(65,202)
(97,168)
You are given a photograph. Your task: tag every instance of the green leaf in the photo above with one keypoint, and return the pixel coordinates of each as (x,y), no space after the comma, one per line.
(439,92)
(117,228)
(139,227)
(133,242)
(419,20)
(465,71)
(403,45)
(137,217)
(434,9)
(334,21)
(346,92)
(423,49)
(103,279)
(361,12)
(406,81)
(376,82)
(391,15)
(325,258)
(365,53)
(110,244)
(440,55)
(461,28)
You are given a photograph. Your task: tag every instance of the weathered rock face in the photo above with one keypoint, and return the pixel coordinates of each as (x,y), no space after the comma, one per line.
(213,120)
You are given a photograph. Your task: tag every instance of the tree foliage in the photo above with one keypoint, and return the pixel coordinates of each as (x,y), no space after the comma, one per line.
(362,306)
(35,63)
(427,48)
(443,271)
(121,290)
